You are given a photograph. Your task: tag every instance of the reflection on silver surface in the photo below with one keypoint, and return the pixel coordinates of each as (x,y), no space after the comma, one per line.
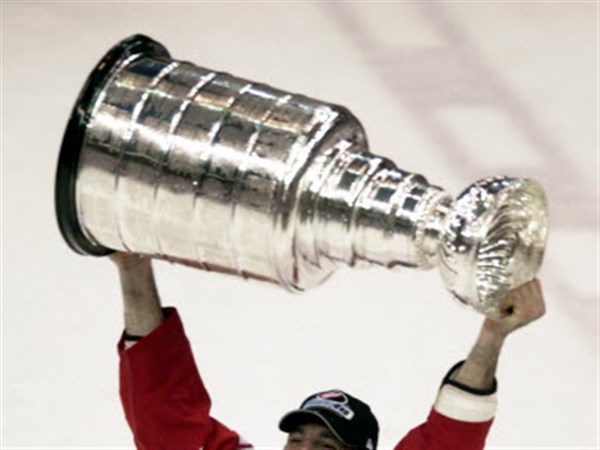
(208,169)
(493,240)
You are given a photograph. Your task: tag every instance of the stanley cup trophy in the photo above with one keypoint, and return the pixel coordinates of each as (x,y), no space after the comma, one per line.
(165,158)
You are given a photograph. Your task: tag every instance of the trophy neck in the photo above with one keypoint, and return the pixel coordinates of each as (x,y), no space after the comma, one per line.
(361,209)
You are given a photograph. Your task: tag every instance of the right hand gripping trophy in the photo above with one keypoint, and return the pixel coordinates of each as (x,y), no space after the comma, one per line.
(165,158)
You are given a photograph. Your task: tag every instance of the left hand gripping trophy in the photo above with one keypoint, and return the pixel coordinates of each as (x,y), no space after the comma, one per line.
(169,159)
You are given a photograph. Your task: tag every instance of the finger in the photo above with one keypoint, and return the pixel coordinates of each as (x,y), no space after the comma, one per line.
(535,298)
(507,304)
(115,257)
(532,305)
(122,259)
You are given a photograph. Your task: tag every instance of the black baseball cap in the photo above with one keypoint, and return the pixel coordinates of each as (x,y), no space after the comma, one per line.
(349,419)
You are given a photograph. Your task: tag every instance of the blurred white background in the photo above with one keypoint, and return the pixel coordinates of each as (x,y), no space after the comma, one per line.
(455,91)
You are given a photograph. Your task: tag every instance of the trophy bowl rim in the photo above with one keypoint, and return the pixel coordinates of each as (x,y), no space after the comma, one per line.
(73,138)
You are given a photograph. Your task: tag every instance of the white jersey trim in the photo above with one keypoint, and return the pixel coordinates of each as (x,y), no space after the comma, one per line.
(457,404)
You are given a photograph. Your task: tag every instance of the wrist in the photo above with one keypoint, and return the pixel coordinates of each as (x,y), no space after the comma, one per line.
(143,322)
(475,379)
(492,334)
(466,384)
(464,402)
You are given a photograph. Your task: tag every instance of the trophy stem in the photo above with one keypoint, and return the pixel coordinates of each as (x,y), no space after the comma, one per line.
(362,210)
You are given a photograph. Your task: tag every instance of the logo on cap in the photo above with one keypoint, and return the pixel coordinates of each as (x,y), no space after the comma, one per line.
(334,401)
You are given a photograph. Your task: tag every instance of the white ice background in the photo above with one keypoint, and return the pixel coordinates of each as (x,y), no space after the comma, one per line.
(452,90)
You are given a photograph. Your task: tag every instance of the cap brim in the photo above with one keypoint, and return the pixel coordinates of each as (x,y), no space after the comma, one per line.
(292,420)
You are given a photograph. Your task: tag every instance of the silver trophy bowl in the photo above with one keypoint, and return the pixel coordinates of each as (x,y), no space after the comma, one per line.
(165,158)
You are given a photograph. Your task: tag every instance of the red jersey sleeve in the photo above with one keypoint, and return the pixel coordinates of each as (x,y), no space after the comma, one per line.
(459,420)
(164,399)
(440,432)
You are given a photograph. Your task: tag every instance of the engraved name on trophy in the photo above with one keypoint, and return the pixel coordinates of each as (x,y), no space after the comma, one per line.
(169,159)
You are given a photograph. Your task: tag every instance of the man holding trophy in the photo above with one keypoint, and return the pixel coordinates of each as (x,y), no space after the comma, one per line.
(167,406)
(165,159)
